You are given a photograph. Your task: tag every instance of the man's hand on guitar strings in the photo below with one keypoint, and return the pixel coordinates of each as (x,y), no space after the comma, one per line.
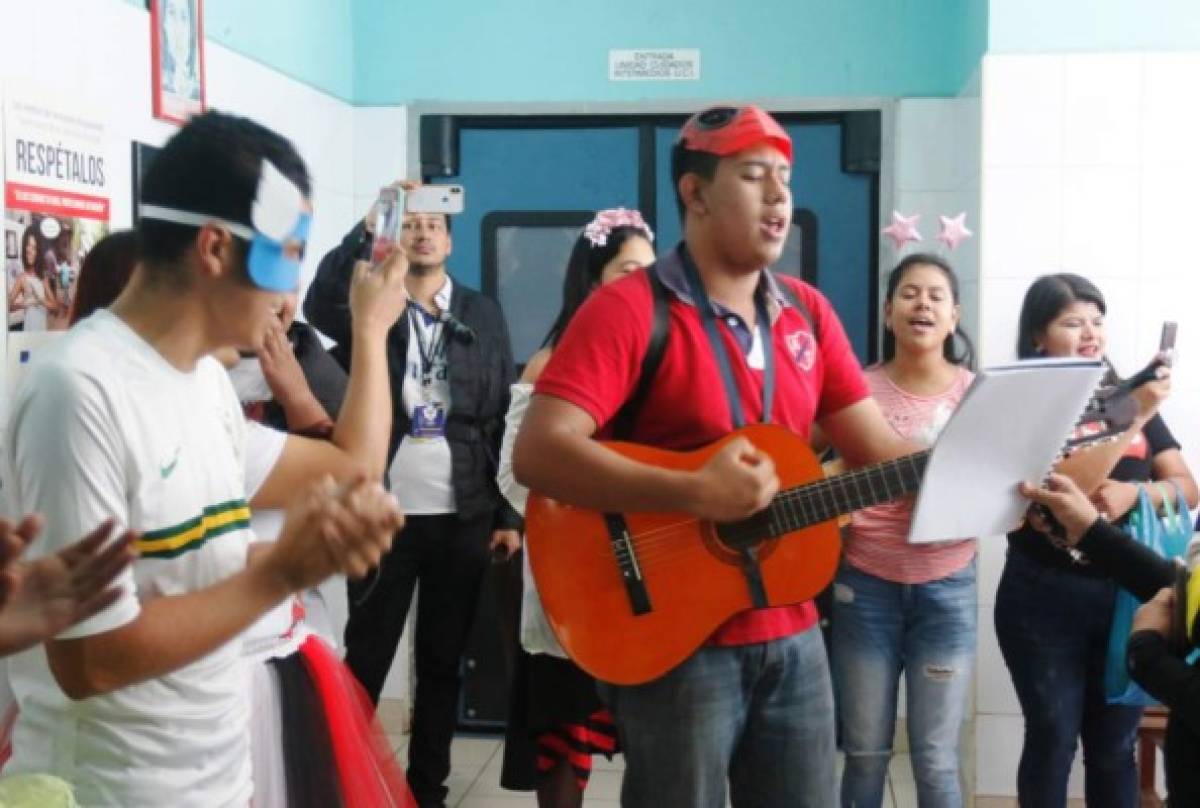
(1069,506)
(736,482)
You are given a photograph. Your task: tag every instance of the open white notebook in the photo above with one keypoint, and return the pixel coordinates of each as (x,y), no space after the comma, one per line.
(1009,427)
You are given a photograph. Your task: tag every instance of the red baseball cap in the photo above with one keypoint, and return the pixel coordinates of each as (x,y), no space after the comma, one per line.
(728,130)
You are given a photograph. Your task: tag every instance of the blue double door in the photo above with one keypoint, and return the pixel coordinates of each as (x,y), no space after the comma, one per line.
(532,183)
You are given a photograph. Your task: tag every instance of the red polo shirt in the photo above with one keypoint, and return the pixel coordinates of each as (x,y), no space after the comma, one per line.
(596,364)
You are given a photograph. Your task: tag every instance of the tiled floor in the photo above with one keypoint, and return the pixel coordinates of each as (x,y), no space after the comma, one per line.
(475,778)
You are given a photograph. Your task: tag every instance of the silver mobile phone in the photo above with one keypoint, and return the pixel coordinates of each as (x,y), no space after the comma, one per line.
(389,217)
(1166,342)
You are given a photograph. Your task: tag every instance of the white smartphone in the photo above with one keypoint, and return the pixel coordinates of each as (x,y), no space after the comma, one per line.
(435,199)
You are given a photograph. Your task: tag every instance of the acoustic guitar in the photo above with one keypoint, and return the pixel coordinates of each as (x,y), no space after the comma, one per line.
(630,596)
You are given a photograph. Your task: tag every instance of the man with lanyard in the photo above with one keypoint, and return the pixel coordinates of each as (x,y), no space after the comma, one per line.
(754,705)
(451,367)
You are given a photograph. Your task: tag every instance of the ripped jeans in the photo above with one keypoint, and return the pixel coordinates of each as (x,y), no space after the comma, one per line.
(881,628)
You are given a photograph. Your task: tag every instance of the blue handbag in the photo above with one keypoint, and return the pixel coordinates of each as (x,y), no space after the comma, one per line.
(1168,536)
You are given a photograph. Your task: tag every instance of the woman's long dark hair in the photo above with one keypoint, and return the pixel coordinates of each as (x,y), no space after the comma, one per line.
(583,275)
(1045,299)
(105,271)
(950,350)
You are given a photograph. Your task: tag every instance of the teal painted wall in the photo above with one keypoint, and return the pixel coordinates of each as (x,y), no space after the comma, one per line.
(557,50)
(1048,26)
(376,52)
(974,42)
(311,41)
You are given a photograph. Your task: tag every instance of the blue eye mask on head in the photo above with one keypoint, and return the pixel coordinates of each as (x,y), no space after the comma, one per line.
(278,232)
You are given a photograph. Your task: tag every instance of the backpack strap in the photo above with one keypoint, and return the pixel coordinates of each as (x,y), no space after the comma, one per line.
(656,348)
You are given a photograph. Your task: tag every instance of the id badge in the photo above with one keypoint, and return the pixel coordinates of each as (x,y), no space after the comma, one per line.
(429,420)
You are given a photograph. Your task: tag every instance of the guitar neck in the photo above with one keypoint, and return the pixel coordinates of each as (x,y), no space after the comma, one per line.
(822,500)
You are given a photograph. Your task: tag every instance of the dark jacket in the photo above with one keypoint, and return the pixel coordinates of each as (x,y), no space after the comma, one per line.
(1151,663)
(326,378)
(480,375)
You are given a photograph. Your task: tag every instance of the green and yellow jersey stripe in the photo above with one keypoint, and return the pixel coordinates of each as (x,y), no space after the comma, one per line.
(169,542)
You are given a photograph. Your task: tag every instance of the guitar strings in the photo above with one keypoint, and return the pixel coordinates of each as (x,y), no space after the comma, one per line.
(818,495)
(661,547)
(656,548)
(660,556)
(813,499)
(652,547)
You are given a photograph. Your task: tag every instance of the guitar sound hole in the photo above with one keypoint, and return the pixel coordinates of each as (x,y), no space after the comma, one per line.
(745,532)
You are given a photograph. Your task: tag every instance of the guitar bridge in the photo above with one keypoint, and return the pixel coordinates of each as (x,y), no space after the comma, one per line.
(625,555)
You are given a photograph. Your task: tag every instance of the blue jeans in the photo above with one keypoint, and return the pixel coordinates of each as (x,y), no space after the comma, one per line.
(760,715)
(881,628)
(1053,630)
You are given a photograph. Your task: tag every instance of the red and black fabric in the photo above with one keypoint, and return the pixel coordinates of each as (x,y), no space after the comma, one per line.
(367,773)
(576,743)
(308,752)
(554,714)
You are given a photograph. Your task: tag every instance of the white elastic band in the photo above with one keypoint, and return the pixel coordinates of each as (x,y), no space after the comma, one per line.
(176,216)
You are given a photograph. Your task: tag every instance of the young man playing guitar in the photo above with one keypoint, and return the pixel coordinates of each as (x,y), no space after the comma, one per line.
(753,705)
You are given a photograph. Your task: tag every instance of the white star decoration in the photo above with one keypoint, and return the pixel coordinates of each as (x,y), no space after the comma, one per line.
(954,230)
(903,229)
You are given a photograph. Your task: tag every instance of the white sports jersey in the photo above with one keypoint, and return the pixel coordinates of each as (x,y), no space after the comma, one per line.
(272,635)
(104,427)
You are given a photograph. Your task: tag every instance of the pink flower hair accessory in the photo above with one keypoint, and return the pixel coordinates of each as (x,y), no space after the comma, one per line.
(599,228)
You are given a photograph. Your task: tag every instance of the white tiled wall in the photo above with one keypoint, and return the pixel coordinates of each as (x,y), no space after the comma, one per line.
(380,148)
(1088,165)
(350,151)
(937,174)
(936,170)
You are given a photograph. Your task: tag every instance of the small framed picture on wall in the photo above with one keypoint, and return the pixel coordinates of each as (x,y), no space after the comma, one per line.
(177,58)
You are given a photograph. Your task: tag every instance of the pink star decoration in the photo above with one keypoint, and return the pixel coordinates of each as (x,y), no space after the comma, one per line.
(903,229)
(954,230)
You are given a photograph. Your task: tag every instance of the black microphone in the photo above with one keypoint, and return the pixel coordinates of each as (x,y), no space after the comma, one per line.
(458,330)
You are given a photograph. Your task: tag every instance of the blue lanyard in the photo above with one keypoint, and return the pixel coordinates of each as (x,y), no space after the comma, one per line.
(709,319)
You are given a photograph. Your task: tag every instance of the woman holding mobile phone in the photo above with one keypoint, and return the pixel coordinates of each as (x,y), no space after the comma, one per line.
(1054,607)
